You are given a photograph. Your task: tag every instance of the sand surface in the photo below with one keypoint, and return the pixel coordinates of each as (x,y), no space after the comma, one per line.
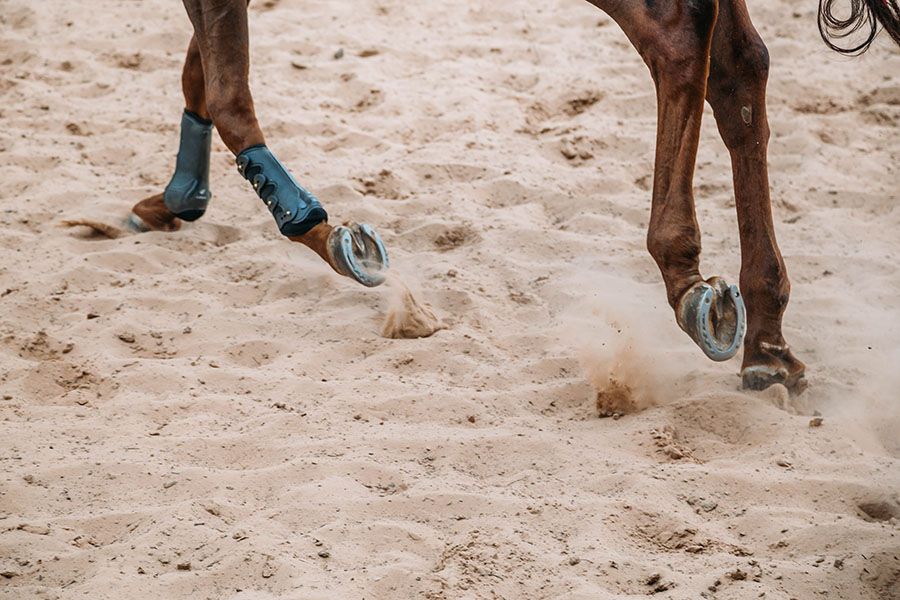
(214,413)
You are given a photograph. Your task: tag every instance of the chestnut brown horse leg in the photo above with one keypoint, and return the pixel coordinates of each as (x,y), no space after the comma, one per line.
(215,82)
(152,211)
(739,64)
(674,37)
(222,36)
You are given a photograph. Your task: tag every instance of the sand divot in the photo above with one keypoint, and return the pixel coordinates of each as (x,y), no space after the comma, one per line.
(778,396)
(407,317)
(621,360)
(104,229)
(621,373)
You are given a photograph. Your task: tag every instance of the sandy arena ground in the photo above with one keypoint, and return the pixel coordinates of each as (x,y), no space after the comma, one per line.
(214,414)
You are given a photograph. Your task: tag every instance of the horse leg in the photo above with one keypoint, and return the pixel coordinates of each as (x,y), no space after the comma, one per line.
(222,42)
(192,168)
(739,64)
(674,37)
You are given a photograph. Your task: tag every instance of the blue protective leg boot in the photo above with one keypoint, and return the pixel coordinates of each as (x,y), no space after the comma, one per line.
(295,210)
(356,251)
(187,194)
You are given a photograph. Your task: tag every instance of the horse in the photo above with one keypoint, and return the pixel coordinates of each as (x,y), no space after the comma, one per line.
(696,50)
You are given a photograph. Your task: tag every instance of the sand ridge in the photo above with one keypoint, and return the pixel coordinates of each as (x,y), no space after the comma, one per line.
(212,413)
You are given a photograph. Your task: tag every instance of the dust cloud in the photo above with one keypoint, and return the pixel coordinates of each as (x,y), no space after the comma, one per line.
(622,346)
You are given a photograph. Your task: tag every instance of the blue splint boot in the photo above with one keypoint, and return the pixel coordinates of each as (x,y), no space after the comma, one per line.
(295,209)
(187,194)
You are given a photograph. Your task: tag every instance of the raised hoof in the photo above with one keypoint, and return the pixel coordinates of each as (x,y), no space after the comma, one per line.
(358,252)
(712,313)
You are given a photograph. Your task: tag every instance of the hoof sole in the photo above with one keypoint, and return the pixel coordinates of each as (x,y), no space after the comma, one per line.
(359,253)
(712,313)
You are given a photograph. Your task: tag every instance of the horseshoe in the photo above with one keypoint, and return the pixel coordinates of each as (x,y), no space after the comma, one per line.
(712,313)
(359,253)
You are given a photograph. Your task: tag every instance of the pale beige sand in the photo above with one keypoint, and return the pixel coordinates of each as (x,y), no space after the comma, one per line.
(214,414)
(408,316)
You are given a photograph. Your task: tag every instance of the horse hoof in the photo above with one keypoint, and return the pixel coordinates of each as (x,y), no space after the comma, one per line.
(713,314)
(136,224)
(358,253)
(758,378)
(781,368)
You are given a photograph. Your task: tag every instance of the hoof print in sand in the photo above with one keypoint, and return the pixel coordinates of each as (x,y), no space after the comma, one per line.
(780,397)
(667,443)
(453,238)
(880,508)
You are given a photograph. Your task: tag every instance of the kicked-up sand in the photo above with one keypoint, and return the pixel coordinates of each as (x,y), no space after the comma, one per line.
(213,413)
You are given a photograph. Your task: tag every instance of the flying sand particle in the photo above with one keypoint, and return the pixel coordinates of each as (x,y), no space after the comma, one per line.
(407,317)
(99,227)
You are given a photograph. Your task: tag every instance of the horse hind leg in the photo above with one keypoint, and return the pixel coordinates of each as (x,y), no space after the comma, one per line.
(187,194)
(737,93)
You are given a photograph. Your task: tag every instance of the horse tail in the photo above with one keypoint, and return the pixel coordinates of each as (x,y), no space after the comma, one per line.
(865,16)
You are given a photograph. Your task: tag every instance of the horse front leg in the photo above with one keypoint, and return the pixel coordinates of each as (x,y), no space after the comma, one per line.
(673,38)
(222,42)
(739,65)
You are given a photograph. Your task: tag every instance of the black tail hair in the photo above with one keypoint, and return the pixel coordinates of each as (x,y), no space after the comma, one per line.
(865,15)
